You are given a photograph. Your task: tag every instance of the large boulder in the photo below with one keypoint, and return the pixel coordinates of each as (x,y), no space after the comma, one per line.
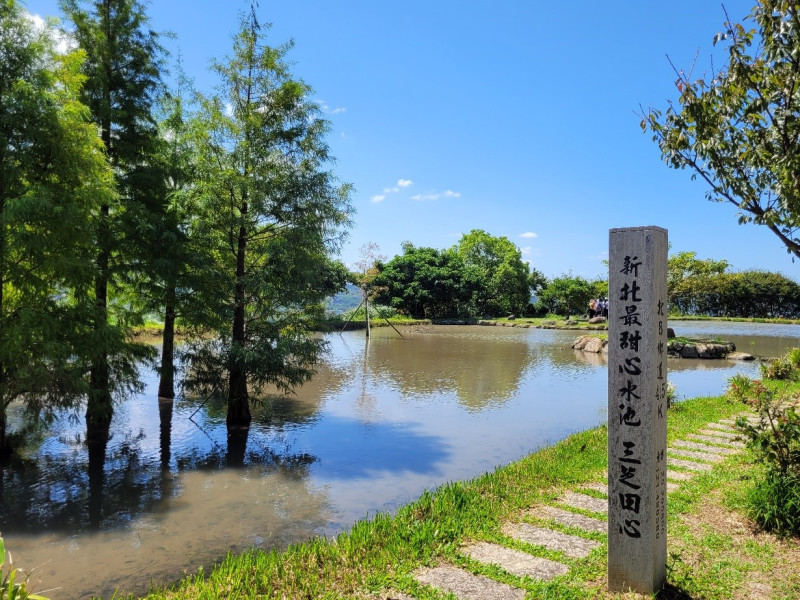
(595,320)
(590,343)
(699,349)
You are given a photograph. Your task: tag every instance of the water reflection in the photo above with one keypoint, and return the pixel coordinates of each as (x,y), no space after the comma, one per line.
(381,422)
(480,370)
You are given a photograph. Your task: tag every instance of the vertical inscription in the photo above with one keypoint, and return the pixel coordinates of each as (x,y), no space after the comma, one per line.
(637,396)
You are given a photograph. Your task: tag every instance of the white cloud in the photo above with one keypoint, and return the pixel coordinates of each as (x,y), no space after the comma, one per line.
(436,196)
(404,182)
(528,234)
(378,198)
(336,111)
(526,250)
(391,190)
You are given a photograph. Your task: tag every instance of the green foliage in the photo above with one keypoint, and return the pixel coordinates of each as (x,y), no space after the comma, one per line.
(567,295)
(122,77)
(774,501)
(53,176)
(740,388)
(10,587)
(506,280)
(270,214)
(427,283)
(780,369)
(736,128)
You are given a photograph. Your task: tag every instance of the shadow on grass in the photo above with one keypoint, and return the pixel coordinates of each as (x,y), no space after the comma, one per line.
(671,592)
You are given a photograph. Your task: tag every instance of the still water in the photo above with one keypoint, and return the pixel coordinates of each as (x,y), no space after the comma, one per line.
(380,423)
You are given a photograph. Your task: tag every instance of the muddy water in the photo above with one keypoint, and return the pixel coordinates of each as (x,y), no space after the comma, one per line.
(379,424)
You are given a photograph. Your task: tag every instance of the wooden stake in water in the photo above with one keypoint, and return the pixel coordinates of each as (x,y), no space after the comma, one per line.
(637,409)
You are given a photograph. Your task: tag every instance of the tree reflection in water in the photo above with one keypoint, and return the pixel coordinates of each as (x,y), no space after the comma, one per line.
(108,483)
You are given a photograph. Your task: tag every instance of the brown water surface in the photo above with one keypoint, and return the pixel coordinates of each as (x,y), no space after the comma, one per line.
(380,423)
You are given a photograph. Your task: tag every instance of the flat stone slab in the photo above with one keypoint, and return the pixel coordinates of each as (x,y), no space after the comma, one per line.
(585,502)
(679,475)
(596,487)
(571,545)
(687,445)
(721,434)
(693,454)
(515,562)
(465,585)
(565,517)
(671,487)
(726,427)
(687,464)
(715,440)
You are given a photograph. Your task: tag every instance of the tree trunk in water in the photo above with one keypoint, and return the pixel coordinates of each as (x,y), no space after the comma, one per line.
(5,447)
(166,383)
(165,406)
(238,401)
(98,407)
(237,445)
(96,443)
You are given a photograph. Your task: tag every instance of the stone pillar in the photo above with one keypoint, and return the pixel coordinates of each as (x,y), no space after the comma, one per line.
(637,409)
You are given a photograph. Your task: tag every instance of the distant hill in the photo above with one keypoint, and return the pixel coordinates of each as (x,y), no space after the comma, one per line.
(347,300)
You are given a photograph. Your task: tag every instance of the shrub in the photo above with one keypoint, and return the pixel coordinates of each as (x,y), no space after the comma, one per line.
(780,368)
(774,501)
(740,388)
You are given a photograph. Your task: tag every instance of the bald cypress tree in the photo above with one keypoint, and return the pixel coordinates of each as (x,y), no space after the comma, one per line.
(123,76)
(272,213)
(53,178)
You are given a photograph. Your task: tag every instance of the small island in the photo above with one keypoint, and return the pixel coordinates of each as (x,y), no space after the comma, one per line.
(677,347)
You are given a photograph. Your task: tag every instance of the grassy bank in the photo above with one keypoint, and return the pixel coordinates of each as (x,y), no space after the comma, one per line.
(715,551)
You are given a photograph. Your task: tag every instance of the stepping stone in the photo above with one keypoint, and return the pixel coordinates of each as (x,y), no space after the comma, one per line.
(515,562)
(565,517)
(721,426)
(720,434)
(684,444)
(571,545)
(679,475)
(389,595)
(687,464)
(732,422)
(715,440)
(671,487)
(596,487)
(465,585)
(585,502)
(707,456)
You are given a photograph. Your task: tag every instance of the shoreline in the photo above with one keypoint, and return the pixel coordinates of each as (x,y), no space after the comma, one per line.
(387,555)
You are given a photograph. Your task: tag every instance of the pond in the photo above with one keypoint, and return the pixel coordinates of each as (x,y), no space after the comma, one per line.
(381,422)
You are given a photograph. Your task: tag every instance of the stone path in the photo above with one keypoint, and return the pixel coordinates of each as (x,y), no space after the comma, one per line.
(564,529)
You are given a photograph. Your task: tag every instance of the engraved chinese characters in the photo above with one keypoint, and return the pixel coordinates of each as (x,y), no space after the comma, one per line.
(637,388)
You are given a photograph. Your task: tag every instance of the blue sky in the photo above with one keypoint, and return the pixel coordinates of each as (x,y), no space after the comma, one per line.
(516,117)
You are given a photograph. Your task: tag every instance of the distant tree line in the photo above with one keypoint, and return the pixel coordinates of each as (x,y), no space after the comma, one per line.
(122,198)
(705,287)
(482,275)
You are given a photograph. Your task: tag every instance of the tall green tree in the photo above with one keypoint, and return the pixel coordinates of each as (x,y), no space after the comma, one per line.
(427,283)
(272,213)
(737,127)
(567,295)
(53,178)
(498,263)
(123,76)
(689,277)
